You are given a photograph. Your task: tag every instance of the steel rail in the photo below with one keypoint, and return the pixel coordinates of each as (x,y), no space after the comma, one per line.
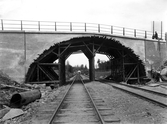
(91,99)
(151,91)
(142,96)
(55,112)
(96,109)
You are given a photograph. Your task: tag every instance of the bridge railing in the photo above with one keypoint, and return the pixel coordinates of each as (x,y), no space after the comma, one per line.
(26,25)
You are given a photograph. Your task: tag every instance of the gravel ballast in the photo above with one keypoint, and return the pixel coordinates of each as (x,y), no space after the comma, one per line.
(126,107)
(130,109)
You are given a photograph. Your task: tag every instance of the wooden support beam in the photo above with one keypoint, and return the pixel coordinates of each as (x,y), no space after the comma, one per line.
(50,51)
(31,73)
(131,74)
(55,53)
(131,56)
(49,64)
(86,53)
(138,74)
(91,69)
(99,47)
(61,53)
(38,72)
(10,86)
(88,48)
(45,73)
(119,52)
(66,57)
(123,66)
(62,76)
(45,82)
(108,47)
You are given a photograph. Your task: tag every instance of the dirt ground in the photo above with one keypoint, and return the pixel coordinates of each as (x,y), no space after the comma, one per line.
(129,109)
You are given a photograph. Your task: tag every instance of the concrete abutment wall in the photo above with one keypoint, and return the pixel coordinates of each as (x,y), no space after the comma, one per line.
(19,49)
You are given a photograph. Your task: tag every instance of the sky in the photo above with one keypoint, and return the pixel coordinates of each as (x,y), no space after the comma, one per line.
(137,14)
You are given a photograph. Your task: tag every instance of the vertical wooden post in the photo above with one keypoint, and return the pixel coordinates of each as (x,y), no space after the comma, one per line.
(91,69)
(93,49)
(138,73)
(123,66)
(62,74)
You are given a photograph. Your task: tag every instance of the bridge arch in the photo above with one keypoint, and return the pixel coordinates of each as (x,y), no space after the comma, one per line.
(125,64)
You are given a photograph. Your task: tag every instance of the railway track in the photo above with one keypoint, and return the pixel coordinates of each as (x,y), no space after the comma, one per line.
(152,96)
(79,106)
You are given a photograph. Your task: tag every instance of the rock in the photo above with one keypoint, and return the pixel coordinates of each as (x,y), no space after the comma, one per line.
(36,86)
(153,85)
(13,113)
(164,71)
(3,112)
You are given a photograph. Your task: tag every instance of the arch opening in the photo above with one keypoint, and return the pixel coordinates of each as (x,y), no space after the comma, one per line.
(125,64)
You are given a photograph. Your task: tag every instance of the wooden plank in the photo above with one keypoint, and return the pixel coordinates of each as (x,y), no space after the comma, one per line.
(45,82)
(49,64)
(10,86)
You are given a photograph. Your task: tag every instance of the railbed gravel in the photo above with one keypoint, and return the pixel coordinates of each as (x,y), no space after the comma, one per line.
(128,108)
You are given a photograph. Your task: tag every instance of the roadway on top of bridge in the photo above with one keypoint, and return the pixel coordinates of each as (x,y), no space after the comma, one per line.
(50,26)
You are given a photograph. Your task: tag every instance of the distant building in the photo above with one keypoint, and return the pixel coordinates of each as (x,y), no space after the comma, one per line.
(166,36)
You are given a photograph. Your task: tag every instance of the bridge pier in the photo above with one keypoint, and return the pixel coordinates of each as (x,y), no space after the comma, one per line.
(91,69)
(62,74)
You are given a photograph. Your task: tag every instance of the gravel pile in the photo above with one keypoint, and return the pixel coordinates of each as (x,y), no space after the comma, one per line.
(130,109)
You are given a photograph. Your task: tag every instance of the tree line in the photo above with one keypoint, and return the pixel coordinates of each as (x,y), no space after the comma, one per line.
(101,66)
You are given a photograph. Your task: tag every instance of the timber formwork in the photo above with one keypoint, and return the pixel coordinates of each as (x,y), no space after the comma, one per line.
(125,65)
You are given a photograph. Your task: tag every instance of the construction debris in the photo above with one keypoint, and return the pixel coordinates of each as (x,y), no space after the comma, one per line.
(23,98)
(3,112)
(12,114)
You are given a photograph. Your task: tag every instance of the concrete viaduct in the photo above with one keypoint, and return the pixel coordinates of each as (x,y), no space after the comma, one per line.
(29,49)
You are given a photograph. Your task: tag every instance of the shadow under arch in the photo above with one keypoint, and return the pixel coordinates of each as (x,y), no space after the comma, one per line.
(125,64)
